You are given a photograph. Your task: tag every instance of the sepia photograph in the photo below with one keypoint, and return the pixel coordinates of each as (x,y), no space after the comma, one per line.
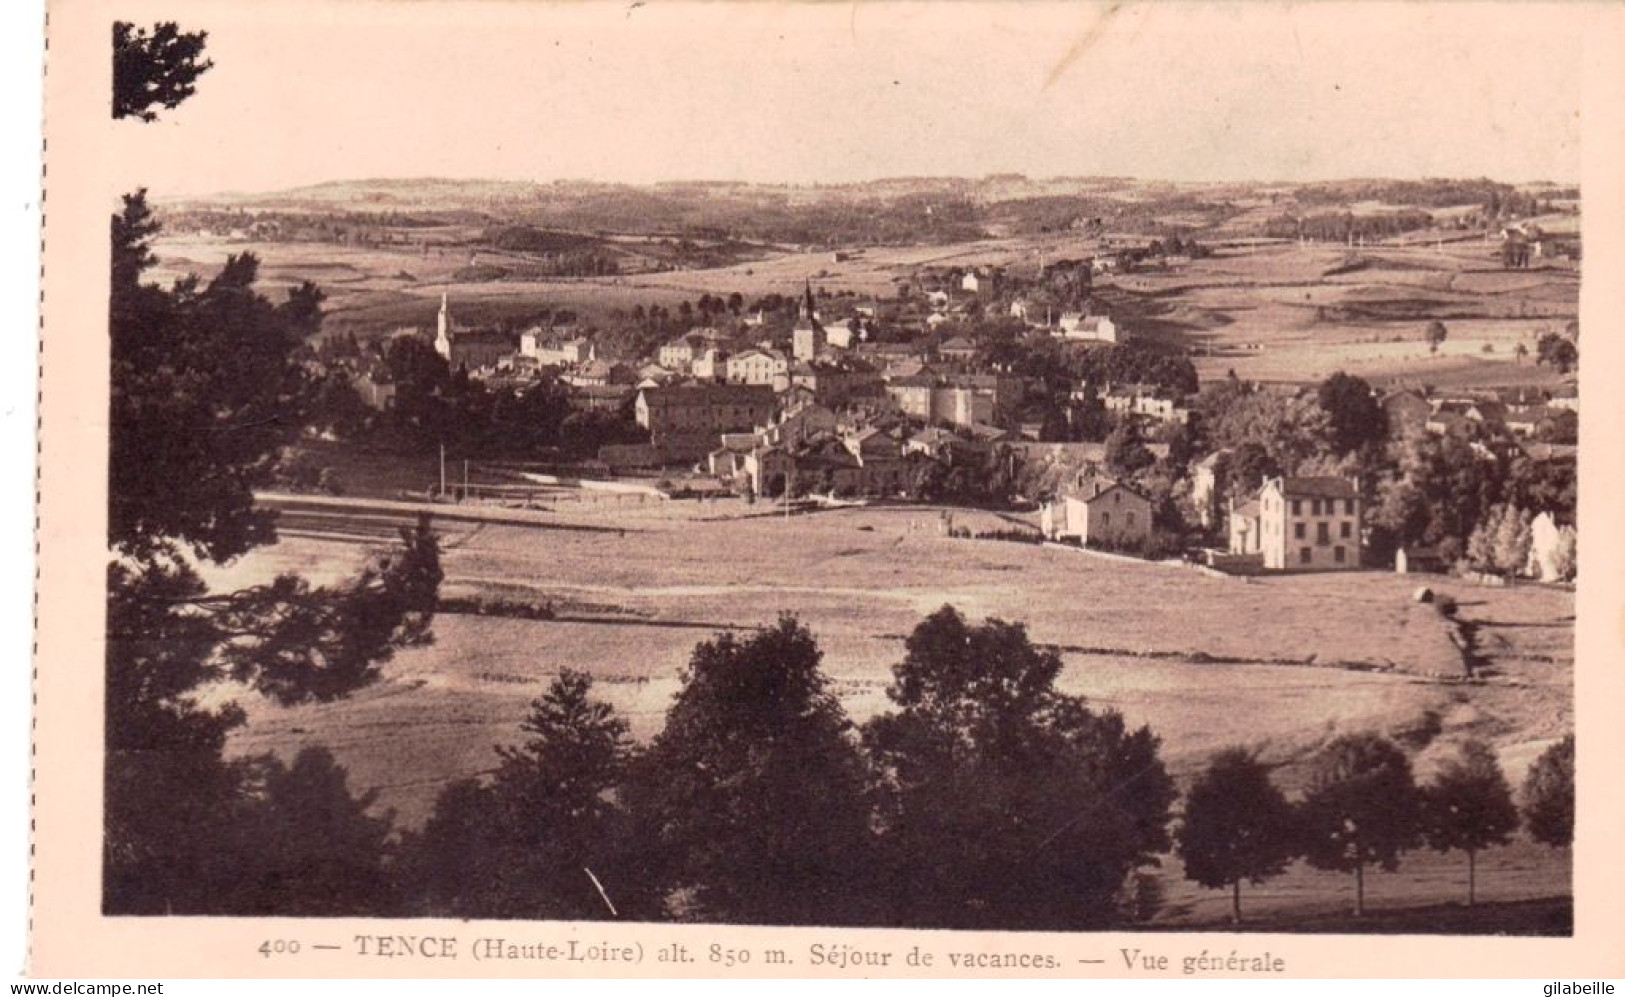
(1009,467)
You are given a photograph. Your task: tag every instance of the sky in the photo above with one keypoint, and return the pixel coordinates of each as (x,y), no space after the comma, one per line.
(305,92)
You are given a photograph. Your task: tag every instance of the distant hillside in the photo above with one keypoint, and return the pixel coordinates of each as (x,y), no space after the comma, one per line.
(897,211)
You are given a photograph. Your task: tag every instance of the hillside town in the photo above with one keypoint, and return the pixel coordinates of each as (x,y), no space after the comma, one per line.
(1013,388)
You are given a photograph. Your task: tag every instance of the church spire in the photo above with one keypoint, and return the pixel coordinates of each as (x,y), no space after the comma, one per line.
(442,339)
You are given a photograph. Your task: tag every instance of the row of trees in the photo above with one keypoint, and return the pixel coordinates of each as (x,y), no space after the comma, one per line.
(984,799)
(434,405)
(1345,226)
(1362,808)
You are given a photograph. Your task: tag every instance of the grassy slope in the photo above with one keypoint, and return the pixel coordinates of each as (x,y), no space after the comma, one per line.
(632,607)
(635,605)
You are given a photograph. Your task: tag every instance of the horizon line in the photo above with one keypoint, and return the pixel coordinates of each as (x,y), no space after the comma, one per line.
(985,178)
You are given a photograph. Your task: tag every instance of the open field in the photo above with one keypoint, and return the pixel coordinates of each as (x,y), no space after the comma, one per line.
(1279,663)
(1299,313)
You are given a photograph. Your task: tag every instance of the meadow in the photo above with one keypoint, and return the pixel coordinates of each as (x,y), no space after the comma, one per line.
(1278,664)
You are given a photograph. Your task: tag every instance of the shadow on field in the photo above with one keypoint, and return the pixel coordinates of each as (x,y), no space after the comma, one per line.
(1549,916)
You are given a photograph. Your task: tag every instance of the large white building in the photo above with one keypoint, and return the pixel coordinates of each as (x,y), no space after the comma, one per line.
(1309,524)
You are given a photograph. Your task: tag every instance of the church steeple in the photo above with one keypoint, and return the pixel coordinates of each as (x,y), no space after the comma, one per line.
(442,339)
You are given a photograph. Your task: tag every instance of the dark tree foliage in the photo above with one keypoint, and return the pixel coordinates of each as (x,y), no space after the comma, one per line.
(755,789)
(435,405)
(1005,803)
(1237,826)
(170,796)
(300,845)
(1247,468)
(1548,795)
(1126,452)
(542,838)
(207,388)
(1362,808)
(1357,420)
(155,69)
(1557,351)
(1563,427)
(1441,488)
(1468,807)
(1544,486)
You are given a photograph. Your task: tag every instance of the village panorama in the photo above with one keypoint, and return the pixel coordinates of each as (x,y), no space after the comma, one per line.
(999,553)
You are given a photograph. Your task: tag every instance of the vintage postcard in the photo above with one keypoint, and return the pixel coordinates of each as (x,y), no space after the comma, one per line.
(798,489)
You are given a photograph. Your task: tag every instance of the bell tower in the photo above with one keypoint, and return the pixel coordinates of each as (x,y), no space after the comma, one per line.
(442,339)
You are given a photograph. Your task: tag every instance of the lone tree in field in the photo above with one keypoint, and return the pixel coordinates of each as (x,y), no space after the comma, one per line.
(1468,807)
(1361,809)
(1004,803)
(1435,334)
(1548,795)
(1237,826)
(755,788)
(157,68)
(1557,351)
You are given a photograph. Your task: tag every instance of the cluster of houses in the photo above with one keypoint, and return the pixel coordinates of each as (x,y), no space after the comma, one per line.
(709,383)
(1524,413)
(838,363)
(1291,524)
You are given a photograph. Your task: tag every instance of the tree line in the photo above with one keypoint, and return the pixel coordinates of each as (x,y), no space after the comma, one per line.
(1362,808)
(983,798)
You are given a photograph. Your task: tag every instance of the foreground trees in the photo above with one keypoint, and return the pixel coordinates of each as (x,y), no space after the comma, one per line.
(156,68)
(1468,807)
(1548,795)
(207,388)
(1237,826)
(754,793)
(540,839)
(1004,802)
(1361,809)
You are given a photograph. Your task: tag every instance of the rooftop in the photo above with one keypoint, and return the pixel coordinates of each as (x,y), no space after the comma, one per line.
(1337,488)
